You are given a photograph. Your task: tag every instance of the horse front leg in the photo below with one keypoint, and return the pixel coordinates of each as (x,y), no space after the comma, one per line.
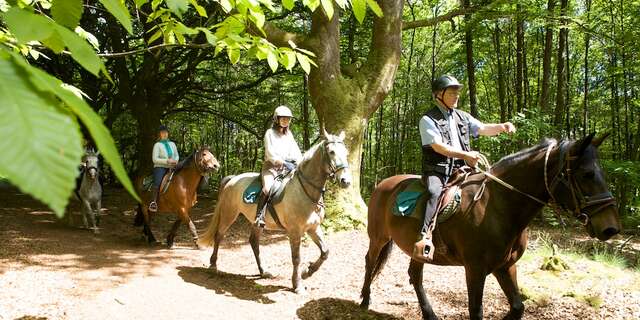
(183,215)
(294,241)
(415,278)
(86,211)
(317,235)
(475,290)
(508,280)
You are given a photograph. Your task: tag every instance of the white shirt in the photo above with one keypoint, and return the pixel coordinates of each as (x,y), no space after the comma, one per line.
(160,157)
(280,147)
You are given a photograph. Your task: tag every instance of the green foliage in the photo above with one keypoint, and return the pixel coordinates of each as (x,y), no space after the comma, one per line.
(41,141)
(40,112)
(119,10)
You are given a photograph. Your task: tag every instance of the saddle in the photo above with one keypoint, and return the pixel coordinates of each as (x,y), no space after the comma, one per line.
(411,197)
(147,182)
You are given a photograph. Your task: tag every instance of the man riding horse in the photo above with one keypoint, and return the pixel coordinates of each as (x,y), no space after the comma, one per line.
(445,133)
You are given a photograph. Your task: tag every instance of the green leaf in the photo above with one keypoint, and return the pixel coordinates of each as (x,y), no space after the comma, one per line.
(67,12)
(226,5)
(178,6)
(200,9)
(26,26)
(211,38)
(140,3)
(359,9)
(89,118)
(272,59)
(304,62)
(327,5)
(54,42)
(88,36)
(375,7)
(289,59)
(41,144)
(234,55)
(119,10)
(257,17)
(81,51)
(288,4)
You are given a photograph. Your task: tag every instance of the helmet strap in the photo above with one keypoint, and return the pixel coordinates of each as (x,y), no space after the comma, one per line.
(438,97)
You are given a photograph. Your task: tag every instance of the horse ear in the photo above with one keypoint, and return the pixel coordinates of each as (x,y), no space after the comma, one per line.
(584,143)
(341,135)
(596,142)
(97,153)
(325,134)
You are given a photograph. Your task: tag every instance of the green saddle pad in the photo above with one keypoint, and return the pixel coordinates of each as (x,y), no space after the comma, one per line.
(251,193)
(414,195)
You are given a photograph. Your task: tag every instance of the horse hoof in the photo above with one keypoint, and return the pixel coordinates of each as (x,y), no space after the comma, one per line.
(170,245)
(266,275)
(364,305)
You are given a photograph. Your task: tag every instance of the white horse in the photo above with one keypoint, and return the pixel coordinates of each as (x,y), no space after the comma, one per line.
(300,211)
(90,191)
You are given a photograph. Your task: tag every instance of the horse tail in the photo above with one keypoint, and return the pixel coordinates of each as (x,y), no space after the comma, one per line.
(139,219)
(206,239)
(382,259)
(224,181)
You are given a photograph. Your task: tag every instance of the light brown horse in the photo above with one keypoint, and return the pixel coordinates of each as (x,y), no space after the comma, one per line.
(300,211)
(492,235)
(180,196)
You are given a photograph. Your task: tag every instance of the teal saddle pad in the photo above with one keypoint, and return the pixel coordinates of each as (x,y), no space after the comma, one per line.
(406,202)
(251,193)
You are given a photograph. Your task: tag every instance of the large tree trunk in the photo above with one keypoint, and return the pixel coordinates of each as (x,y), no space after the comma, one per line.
(546,60)
(345,102)
(585,101)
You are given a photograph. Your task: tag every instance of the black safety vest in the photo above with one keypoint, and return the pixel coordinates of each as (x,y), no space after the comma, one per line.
(435,162)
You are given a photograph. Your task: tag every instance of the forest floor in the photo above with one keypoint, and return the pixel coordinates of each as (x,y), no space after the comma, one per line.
(49,270)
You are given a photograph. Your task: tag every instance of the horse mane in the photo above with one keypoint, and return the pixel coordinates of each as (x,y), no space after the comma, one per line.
(306,157)
(185,163)
(517,158)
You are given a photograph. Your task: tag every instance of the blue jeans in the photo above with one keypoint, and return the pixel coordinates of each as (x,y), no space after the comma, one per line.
(158,174)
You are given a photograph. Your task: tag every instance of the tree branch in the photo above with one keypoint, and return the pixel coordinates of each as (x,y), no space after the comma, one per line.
(156,47)
(435,20)
(204,109)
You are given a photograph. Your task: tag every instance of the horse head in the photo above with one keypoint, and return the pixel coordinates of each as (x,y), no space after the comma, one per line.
(206,162)
(584,191)
(337,163)
(90,163)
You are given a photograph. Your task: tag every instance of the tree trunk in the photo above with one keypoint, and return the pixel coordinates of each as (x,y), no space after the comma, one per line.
(519,59)
(585,100)
(546,60)
(501,81)
(471,68)
(560,68)
(346,103)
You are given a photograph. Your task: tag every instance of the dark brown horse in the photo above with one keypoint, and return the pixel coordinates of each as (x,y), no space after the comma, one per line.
(180,196)
(492,235)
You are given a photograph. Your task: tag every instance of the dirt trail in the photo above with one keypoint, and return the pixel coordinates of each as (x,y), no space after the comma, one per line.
(51,271)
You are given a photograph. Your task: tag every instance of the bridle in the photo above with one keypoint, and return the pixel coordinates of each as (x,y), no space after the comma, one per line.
(333,169)
(581,202)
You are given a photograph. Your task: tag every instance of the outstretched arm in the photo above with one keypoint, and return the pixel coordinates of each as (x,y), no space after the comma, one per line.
(492,129)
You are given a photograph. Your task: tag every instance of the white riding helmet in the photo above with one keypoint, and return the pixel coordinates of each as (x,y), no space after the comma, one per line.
(282,111)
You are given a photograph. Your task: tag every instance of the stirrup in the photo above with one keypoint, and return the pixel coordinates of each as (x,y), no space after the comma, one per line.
(423,250)
(153,206)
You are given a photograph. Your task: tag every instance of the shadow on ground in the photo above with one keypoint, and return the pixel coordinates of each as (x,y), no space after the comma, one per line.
(239,286)
(331,308)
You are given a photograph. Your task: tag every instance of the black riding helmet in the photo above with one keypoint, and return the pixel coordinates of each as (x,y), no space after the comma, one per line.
(445,82)
(163,128)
